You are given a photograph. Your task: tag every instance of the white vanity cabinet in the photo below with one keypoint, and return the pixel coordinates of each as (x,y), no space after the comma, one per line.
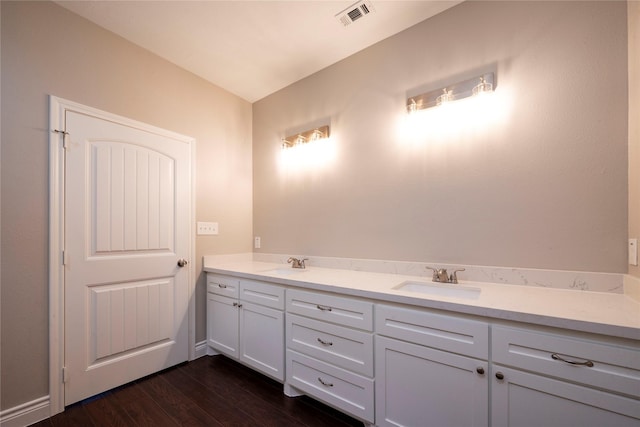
(330,351)
(552,379)
(431,369)
(245,320)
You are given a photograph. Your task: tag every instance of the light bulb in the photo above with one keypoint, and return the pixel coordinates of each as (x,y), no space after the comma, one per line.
(482,87)
(445,97)
(413,107)
(316,135)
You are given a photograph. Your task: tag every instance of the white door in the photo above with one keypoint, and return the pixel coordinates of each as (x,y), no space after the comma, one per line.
(127,225)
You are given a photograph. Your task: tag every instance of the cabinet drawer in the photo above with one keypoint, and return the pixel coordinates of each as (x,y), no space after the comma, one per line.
(340,310)
(262,293)
(341,389)
(223,285)
(448,333)
(344,347)
(605,366)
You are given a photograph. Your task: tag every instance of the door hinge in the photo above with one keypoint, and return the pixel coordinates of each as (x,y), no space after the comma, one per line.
(64,258)
(64,134)
(65,375)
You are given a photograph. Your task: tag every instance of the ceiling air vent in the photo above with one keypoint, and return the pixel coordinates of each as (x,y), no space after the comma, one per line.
(355,12)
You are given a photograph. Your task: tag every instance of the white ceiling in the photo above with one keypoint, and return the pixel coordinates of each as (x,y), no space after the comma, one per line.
(253,48)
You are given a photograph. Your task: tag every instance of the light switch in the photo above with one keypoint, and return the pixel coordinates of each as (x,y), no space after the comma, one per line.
(207,228)
(256,242)
(633,251)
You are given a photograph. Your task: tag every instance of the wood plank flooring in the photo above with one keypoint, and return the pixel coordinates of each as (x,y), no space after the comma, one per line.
(210,391)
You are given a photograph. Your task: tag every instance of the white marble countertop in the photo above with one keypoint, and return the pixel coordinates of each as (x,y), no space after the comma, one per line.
(612,314)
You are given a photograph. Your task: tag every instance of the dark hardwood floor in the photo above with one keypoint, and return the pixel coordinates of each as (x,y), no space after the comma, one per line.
(210,391)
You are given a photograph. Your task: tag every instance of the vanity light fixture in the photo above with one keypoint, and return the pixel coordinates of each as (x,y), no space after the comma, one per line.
(471,87)
(305,137)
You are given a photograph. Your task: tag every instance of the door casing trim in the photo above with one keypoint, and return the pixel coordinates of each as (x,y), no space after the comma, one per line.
(57,108)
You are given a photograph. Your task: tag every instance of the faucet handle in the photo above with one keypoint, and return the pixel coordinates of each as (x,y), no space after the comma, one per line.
(302,262)
(454,277)
(434,278)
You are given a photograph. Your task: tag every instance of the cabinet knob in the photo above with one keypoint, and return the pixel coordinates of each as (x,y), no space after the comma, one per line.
(480,370)
(499,375)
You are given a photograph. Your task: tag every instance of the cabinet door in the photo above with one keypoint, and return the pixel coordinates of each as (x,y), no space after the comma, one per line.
(222,324)
(420,386)
(521,399)
(262,339)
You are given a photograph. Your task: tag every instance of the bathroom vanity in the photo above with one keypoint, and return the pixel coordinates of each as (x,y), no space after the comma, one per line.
(390,354)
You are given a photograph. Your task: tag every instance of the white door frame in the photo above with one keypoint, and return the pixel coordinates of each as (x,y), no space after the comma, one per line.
(57,109)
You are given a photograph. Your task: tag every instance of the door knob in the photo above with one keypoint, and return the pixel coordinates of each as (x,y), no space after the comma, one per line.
(182,262)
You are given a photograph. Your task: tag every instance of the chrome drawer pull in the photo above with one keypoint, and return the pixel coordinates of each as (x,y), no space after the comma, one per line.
(588,363)
(324,383)
(323,342)
(323,307)
(220,285)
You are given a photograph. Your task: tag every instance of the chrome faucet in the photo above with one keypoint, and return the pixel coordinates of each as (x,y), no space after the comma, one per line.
(441,275)
(297,263)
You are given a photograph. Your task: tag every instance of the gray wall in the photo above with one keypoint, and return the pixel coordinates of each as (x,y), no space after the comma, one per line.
(543,187)
(48,50)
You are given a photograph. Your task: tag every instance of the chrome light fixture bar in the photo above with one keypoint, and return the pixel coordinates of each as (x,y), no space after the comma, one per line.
(478,85)
(306,137)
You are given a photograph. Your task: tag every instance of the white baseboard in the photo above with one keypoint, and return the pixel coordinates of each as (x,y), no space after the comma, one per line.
(201,349)
(26,414)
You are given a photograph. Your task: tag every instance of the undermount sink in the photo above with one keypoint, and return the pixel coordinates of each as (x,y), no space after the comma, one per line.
(284,271)
(444,289)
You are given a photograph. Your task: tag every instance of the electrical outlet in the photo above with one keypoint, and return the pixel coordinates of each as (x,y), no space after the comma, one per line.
(207,228)
(633,251)
(256,242)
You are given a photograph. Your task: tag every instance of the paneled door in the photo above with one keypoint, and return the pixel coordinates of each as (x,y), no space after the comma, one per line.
(126,240)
